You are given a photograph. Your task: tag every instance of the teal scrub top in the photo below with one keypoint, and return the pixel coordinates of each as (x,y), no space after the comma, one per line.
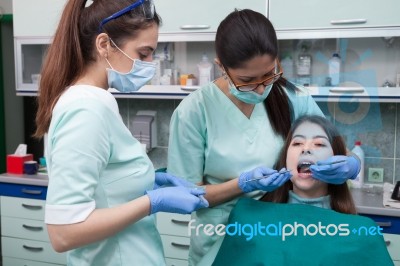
(212,141)
(94,162)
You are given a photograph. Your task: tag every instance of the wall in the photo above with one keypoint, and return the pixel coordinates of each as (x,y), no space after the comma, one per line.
(369,61)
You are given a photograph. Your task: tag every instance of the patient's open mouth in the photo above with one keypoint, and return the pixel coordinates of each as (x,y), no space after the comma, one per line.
(304,167)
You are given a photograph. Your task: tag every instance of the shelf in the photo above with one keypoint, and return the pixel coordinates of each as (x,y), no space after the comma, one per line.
(320,94)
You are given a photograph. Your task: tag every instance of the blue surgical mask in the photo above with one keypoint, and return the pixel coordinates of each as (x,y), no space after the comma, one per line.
(140,73)
(250,97)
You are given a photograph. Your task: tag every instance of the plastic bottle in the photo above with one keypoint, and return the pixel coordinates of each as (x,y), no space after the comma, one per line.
(304,67)
(156,80)
(334,69)
(205,71)
(288,67)
(357,150)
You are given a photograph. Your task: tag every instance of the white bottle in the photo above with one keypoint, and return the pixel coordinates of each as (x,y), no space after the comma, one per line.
(156,80)
(357,150)
(205,71)
(334,69)
(288,67)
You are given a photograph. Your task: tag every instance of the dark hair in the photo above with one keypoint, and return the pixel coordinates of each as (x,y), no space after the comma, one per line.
(241,36)
(73,47)
(341,199)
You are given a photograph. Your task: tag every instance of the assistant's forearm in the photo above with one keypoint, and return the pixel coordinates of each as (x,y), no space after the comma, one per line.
(100,224)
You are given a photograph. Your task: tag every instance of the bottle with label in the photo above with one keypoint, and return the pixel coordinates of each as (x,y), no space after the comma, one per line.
(303,70)
(334,69)
(205,71)
(288,67)
(357,150)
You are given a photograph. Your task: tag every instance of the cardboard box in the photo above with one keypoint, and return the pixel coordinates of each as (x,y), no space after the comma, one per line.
(15,163)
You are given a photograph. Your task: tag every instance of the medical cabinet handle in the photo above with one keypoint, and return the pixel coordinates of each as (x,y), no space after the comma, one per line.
(32,228)
(384,224)
(348,21)
(387,242)
(185,246)
(36,249)
(195,27)
(179,222)
(31,207)
(31,191)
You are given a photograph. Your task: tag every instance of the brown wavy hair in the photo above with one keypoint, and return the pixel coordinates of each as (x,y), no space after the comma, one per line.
(341,199)
(73,47)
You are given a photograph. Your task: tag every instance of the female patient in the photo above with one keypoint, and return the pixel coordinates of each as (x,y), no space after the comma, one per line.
(325,210)
(311,140)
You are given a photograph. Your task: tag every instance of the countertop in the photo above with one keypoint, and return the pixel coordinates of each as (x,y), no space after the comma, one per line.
(34,180)
(366,203)
(372,203)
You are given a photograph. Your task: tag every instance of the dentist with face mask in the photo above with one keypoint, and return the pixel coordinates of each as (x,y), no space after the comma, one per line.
(227,135)
(102,188)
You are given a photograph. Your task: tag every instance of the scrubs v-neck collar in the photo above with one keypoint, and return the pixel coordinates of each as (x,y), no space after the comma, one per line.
(250,125)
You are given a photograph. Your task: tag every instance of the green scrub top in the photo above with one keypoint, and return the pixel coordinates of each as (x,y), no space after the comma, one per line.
(94,162)
(212,141)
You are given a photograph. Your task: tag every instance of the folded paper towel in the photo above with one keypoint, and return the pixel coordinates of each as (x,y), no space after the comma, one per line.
(387,193)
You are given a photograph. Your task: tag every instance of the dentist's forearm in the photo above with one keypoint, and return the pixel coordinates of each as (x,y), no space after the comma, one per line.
(220,193)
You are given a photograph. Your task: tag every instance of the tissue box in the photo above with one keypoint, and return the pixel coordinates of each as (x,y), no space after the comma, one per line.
(15,163)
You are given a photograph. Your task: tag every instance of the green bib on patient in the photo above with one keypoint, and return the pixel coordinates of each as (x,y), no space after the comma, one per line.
(264,233)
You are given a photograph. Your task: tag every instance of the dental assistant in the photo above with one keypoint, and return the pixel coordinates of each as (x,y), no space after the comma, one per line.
(102,186)
(232,130)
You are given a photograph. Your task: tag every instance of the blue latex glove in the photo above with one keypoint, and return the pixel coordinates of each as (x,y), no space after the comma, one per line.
(179,199)
(335,172)
(165,179)
(270,183)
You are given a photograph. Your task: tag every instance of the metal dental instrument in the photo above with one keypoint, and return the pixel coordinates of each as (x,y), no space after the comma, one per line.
(341,161)
(265,176)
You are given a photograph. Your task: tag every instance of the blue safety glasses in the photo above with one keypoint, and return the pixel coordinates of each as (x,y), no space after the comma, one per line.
(147,7)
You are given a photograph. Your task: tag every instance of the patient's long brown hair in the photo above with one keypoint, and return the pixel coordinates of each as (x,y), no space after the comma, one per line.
(341,199)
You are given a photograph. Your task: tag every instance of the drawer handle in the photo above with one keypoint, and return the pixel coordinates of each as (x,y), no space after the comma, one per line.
(31,191)
(32,228)
(387,242)
(31,207)
(195,27)
(35,249)
(384,224)
(184,246)
(349,21)
(179,222)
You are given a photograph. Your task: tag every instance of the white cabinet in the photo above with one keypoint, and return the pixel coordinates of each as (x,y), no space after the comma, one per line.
(175,237)
(29,55)
(393,246)
(38,18)
(24,237)
(340,18)
(189,20)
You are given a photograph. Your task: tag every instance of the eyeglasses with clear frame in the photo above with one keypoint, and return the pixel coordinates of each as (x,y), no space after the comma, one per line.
(147,6)
(254,85)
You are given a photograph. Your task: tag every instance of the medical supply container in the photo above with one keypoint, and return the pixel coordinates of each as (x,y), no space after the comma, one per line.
(357,150)
(334,69)
(303,69)
(205,71)
(288,67)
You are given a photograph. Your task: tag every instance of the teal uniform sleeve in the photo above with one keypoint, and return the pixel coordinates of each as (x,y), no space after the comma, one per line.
(187,141)
(79,151)
(303,103)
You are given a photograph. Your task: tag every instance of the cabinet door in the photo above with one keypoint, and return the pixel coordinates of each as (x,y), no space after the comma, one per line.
(36,18)
(22,208)
(29,55)
(393,245)
(200,16)
(317,14)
